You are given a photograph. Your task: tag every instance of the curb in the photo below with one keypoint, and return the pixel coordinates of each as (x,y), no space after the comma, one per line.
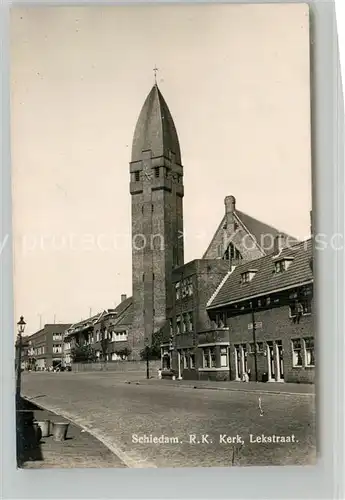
(230,389)
(252,391)
(127,461)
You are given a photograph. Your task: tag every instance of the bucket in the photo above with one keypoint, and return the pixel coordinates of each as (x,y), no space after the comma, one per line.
(45,427)
(37,432)
(60,431)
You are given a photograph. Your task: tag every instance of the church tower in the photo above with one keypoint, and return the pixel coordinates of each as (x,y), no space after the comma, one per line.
(156,187)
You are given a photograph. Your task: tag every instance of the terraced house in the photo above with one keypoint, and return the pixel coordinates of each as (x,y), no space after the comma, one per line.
(106,333)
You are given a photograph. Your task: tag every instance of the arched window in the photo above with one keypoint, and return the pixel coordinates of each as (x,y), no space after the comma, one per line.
(231,253)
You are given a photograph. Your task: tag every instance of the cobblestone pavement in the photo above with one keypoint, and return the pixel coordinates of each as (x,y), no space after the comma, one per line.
(119,414)
(79,450)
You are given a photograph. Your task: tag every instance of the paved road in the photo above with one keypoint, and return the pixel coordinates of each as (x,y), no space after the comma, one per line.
(115,411)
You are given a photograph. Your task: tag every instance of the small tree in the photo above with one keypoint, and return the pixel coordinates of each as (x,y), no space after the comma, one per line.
(104,341)
(83,354)
(124,353)
(153,351)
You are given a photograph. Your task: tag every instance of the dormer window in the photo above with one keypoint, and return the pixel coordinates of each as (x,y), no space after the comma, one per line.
(282,265)
(247,276)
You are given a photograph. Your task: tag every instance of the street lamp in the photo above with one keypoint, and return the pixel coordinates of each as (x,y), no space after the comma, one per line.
(254,342)
(21,327)
(147,358)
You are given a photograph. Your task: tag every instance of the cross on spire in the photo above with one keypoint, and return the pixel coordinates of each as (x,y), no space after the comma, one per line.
(155,69)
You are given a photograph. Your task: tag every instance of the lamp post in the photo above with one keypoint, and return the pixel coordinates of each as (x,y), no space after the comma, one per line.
(21,327)
(254,341)
(147,358)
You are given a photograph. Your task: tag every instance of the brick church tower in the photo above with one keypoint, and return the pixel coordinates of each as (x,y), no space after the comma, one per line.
(156,187)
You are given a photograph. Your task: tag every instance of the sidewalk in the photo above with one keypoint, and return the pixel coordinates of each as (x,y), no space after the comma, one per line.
(268,387)
(80,450)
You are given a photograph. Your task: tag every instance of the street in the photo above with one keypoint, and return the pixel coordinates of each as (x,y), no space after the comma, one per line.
(164,426)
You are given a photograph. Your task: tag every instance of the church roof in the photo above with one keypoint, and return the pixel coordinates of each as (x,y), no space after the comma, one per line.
(258,229)
(255,228)
(265,281)
(155,129)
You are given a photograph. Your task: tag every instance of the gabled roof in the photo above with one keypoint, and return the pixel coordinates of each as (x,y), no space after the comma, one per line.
(51,327)
(256,229)
(155,129)
(265,280)
(123,316)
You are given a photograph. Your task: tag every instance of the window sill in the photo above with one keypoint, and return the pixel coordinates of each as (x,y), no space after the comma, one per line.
(298,367)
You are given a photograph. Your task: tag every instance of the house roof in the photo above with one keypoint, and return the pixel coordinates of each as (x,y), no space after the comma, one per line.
(265,280)
(123,313)
(51,327)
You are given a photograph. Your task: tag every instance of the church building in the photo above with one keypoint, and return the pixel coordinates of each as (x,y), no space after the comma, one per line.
(244,307)
(171,297)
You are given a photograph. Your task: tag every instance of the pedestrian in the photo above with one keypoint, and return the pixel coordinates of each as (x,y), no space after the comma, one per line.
(159,373)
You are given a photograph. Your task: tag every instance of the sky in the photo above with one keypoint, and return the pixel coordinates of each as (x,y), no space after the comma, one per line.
(236,79)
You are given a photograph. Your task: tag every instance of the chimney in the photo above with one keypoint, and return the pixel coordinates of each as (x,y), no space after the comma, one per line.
(123,297)
(279,243)
(230,207)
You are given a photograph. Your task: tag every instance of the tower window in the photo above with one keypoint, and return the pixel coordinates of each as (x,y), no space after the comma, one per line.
(156,171)
(137,176)
(143,276)
(152,207)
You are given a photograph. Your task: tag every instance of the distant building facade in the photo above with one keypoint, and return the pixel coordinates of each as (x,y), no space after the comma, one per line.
(44,349)
(106,333)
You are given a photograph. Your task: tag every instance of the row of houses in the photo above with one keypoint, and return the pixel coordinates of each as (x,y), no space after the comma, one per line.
(243,310)
(258,321)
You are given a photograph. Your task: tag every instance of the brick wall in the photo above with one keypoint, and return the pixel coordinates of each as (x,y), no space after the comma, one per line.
(157,214)
(238,236)
(276,325)
(120,366)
